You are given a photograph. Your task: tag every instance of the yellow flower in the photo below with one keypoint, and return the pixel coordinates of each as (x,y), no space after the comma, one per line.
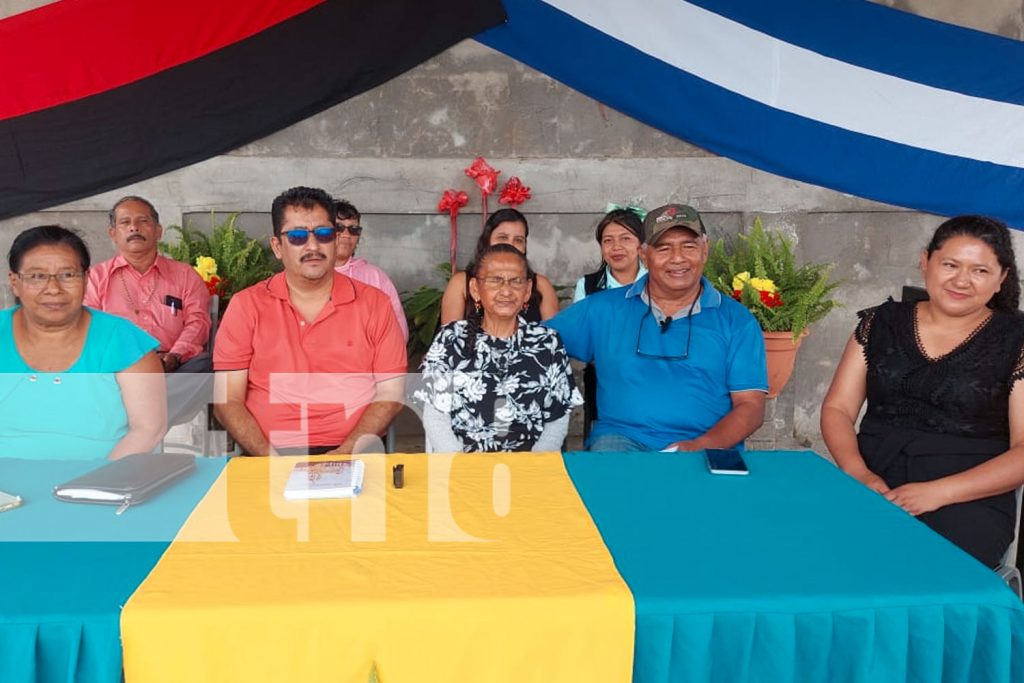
(206,266)
(762,284)
(739,279)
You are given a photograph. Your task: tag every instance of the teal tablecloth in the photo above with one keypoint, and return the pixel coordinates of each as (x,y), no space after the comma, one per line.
(793,573)
(67,569)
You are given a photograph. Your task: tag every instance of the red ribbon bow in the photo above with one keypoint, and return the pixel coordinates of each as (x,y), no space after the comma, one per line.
(452,201)
(514,193)
(483,175)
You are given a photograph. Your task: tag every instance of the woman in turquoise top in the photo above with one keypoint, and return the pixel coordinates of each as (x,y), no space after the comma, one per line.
(75,383)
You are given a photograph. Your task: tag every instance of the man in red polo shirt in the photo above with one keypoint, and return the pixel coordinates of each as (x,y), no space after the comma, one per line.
(308,360)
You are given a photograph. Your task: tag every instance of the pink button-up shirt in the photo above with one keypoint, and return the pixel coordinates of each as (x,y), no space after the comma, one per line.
(150,300)
(367,273)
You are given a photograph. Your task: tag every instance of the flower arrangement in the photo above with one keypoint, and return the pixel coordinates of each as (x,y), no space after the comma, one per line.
(759,270)
(226,258)
(764,287)
(513,193)
(206,266)
(423,306)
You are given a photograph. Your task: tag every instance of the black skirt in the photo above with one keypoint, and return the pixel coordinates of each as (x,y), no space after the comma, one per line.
(984,527)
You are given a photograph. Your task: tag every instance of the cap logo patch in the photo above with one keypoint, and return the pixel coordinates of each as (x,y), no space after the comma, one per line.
(669,214)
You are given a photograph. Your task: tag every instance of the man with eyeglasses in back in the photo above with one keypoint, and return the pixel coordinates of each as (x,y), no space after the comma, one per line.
(347,219)
(308,360)
(679,366)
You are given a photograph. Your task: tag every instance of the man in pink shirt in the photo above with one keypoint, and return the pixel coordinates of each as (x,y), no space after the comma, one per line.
(164,297)
(347,219)
(308,360)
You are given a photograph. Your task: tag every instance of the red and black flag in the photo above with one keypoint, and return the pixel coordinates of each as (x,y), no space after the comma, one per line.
(96,94)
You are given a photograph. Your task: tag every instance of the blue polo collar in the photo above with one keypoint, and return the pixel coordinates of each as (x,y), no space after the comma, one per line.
(709,297)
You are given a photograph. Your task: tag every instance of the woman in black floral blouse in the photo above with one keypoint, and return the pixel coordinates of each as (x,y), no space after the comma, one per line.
(495,382)
(943,434)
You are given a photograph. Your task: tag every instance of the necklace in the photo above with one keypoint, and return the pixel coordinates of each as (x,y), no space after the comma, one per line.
(145,300)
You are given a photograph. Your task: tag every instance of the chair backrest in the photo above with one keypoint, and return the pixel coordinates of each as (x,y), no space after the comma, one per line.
(214,320)
(1010,558)
(912,293)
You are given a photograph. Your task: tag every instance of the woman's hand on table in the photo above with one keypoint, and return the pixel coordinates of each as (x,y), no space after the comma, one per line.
(919,498)
(870,479)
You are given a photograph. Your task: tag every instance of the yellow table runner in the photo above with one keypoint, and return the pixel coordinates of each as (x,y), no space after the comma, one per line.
(482,568)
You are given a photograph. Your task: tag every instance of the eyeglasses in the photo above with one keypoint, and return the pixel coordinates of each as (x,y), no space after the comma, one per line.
(496,282)
(299,236)
(664,328)
(354,230)
(39,279)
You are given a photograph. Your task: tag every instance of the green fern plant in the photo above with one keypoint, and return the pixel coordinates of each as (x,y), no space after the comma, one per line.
(423,312)
(806,291)
(241,260)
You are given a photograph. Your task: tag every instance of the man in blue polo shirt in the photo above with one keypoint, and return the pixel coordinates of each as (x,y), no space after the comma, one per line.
(678,364)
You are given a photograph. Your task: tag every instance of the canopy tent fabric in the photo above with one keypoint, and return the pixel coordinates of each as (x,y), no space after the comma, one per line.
(847,94)
(97,94)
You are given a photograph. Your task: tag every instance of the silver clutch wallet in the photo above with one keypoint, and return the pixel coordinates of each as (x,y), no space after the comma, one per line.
(128,481)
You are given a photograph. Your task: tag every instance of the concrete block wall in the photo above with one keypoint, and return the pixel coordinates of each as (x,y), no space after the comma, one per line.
(393,150)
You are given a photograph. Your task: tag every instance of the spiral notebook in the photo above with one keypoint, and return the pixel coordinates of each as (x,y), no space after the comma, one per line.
(325,479)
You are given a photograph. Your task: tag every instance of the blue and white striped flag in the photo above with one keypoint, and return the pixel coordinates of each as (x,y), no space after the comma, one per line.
(845,94)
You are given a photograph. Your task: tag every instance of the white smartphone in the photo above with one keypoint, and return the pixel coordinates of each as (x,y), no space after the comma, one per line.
(8,501)
(725,461)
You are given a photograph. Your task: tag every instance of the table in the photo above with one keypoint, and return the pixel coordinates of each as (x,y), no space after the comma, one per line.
(482,568)
(66,570)
(794,573)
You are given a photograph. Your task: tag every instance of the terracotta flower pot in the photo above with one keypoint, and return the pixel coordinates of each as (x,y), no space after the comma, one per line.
(781,353)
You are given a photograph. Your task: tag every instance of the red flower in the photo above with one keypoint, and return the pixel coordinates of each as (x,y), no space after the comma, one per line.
(485,177)
(769,299)
(452,201)
(213,285)
(514,193)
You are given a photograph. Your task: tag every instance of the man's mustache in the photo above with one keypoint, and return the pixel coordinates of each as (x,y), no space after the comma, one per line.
(311,256)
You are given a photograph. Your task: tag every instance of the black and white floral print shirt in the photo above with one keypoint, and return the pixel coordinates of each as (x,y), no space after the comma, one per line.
(499,393)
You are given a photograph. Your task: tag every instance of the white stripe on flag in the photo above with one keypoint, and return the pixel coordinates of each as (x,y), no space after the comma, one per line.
(805,83)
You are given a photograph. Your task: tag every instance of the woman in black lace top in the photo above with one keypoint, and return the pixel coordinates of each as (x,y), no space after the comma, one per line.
(943,434)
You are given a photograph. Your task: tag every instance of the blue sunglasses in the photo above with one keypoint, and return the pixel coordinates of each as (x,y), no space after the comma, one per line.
(323,235)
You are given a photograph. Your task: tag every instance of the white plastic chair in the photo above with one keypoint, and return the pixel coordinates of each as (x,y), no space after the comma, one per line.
(1007,570)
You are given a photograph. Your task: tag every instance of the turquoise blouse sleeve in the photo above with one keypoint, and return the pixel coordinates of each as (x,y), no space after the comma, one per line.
(113,344)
